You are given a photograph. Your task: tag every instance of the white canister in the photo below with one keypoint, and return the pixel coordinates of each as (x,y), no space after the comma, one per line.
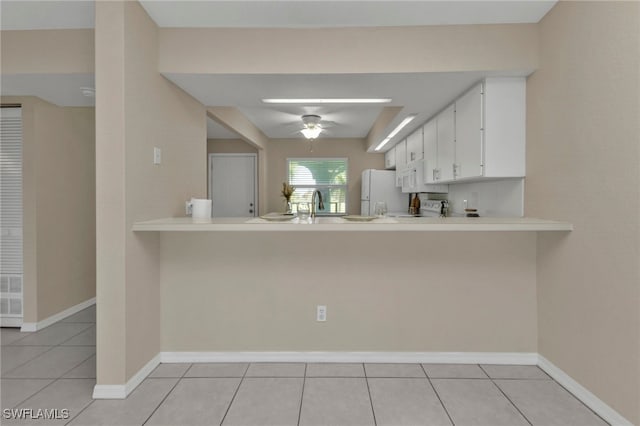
(200,208)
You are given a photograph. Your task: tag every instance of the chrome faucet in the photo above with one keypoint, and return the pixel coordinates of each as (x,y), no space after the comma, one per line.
(313,202)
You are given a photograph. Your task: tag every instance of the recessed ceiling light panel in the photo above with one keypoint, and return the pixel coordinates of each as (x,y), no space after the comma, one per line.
(327,101)
(395,131)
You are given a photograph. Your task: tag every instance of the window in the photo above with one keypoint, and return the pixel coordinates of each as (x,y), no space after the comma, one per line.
(329,175)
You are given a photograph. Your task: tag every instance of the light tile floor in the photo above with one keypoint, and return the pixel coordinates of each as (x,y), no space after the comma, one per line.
(54,368)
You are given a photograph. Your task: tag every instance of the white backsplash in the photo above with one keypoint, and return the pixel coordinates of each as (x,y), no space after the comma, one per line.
(495,198)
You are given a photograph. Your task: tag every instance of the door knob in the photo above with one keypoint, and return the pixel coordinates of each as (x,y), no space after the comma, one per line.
(250,204)
(250,210)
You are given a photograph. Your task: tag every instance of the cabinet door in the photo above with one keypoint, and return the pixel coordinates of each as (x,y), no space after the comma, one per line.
(414,146)
(469,134)
(430,140)
(401,155)
(390,158)
(446,144)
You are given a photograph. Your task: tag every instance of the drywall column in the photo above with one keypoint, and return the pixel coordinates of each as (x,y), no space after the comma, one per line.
(110,193)
(137,109)
(583,166)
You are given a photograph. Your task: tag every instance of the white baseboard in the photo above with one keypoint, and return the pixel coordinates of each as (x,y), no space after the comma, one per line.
(122,391)
(391,357)
(11,322)
(35,326)
(610,415)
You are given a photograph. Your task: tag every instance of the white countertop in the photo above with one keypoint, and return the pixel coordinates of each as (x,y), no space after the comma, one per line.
(339,224)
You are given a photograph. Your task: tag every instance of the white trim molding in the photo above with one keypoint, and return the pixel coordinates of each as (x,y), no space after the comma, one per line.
(11,322)
(35,326)
(521,358)
(601,408)
(122,391)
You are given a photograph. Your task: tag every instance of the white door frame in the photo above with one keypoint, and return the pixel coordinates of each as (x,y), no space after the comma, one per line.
(255,174)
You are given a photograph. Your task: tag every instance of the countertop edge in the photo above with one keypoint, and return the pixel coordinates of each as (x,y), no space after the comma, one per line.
(446,224)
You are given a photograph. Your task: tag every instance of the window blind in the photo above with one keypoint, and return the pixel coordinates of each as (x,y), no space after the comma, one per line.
(328,175)
(10,215)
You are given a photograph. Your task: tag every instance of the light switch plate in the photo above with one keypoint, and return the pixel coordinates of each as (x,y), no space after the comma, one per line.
(157,155)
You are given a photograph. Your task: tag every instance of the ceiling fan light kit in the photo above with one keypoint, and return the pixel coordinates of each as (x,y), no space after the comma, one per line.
(312,128)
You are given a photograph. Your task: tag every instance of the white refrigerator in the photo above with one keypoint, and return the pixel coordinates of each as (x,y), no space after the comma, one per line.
(380,185)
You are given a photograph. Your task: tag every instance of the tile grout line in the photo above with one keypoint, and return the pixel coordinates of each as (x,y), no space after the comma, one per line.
(80,412)
(304,381)
(235,393)
(575,397)
(36,392)
(32,359)
(373,411)
(161,401)
(53,380)
(168,393)
(505,395)
(438,395)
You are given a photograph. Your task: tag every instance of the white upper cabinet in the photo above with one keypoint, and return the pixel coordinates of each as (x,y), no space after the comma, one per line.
(504,116)
(390,159)
(430,140)
(401,161)
(469,134)
(401,154)
(445,122)
(415,146)
(480,136)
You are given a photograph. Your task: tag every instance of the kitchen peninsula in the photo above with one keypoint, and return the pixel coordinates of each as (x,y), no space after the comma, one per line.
(405,292)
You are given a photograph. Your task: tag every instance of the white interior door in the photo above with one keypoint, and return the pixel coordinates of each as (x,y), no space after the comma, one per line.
(233,184)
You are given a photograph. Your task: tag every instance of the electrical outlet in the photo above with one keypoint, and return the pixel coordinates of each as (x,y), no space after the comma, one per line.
(157,155)
(321,313)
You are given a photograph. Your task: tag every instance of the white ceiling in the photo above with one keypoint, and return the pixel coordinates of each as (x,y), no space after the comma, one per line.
(59,89)
(46,15)
(341,13)
(423,94)
(418,93)
(56,14)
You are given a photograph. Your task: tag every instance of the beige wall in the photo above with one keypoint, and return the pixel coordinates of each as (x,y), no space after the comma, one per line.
(47,51)
(583,166)
(59,206)
(229,146)
(140,110)
(336,50)
(352,149)
(384,291)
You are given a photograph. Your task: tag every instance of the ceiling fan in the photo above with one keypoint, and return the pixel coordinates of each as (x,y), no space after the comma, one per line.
(312,127)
